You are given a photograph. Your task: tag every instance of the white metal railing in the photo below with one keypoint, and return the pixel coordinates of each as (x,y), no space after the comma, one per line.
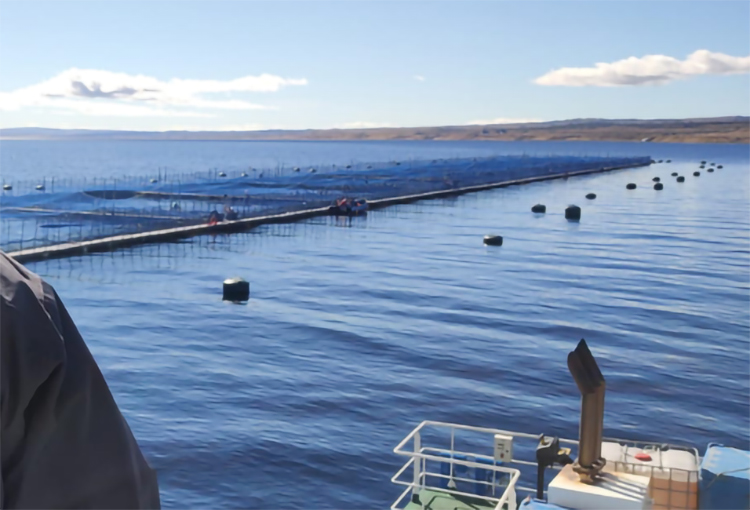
(421,473)
(670,488)
(502,485)
(667,484)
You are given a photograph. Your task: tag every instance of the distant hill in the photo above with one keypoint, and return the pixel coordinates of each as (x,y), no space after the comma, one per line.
(704,130)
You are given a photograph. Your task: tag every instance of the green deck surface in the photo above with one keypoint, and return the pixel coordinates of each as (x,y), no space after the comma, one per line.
(434,500)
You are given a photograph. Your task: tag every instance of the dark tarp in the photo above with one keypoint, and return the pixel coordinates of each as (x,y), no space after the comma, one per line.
(63,441)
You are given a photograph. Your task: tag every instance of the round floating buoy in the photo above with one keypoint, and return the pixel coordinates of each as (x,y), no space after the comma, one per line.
(591,196)
(719,166)
(244,174)
(40,187)
(712,164)
(696,174)
(236,289)
(631,186)
(539,208)
(656,179)
(661,161)
(652,161)
(296,169)
(702,167)
(153,181)
(658,186)
(348,166)
(493,240)
(222,174)
(7,187)
(674,174)
(681,179)
(710,170)
(573,212)
(312,170)
(669,161)
(703,162)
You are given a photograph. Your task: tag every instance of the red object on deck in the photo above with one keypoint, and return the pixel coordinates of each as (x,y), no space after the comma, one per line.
(645,457)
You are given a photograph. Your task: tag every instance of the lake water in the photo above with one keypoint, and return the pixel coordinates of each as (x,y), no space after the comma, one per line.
(358,330)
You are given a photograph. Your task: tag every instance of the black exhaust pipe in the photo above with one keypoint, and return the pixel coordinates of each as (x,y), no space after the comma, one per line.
(591,384)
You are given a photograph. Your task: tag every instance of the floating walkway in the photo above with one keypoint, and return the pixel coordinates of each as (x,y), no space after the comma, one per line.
(112,243)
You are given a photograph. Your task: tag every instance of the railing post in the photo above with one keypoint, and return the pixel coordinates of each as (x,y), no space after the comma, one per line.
(512,498)
(417,464)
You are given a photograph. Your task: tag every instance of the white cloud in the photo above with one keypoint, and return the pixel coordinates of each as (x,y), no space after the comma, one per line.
(96,92)
(502,120)
(647,70)
(419,77)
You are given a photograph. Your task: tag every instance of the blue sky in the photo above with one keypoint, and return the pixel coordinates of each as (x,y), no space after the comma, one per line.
(309,64)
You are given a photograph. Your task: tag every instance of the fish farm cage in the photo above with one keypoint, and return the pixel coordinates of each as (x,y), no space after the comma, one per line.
(54,211)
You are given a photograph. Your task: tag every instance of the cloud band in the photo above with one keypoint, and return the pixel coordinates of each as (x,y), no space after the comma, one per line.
(648,70)
(97,92)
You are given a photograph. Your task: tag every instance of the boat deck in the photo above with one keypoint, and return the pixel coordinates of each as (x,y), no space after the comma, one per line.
(435,500)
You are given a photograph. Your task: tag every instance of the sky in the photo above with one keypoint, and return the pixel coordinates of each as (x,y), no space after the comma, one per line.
(247,65)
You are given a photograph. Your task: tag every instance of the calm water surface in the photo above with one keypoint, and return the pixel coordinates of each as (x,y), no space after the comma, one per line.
(358,330)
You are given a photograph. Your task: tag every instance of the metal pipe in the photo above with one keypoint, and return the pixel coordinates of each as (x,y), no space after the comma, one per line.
(591,384)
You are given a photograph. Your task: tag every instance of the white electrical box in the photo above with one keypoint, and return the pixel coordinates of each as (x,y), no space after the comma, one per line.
(503,448)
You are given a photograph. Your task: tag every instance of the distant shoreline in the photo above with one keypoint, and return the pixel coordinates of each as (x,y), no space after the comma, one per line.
(724,130)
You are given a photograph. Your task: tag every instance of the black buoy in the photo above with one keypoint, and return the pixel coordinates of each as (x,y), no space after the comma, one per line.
(652,161)
(702,167)
(669,161)
(661,161)
(710,170)
(222,174)
(712,164)
(236,289)
(719,166)
(703,162)
(674,174)
(658,186)
(656,179)
(573,212)
(681,179)
(631,186)
(7,187)
(696,174)
(40,187)
(493,240)
(591,196)
(348,166)
(539,208)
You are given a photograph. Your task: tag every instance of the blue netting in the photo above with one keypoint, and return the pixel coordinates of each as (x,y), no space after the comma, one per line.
(69,210)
